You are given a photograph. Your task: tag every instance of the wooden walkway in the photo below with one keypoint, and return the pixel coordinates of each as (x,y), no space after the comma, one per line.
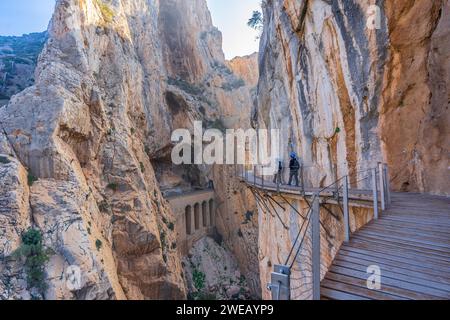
(410,243)
(356,196)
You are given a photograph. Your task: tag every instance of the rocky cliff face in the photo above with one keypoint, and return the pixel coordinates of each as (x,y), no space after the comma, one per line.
(350,96)
(18,58)
(213,273)
(345,96)
(84,148)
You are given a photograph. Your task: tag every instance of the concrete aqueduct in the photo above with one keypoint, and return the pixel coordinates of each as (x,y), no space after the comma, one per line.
(195,217)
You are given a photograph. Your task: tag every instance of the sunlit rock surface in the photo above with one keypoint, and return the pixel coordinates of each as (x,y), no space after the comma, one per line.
(115,78)
(345,96)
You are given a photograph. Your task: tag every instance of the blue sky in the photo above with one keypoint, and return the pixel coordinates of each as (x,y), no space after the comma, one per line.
(230,16)
(24,16)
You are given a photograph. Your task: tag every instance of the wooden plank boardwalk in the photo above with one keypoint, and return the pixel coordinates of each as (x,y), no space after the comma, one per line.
(410,243)
(293,191)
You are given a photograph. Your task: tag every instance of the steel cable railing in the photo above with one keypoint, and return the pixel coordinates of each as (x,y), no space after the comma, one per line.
(340,192)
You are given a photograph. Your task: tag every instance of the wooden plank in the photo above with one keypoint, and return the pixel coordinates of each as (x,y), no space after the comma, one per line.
(371,242)
(389,285)
(404,268)
(339,295)
(422,216)
(389,259)
(398,256)
(409,230)
(414,227)
(435,255)
(426,244)
(357,286)
(392,273)
(440,238)
(416,219)
(395,217)
(394,261)
(411,226)
(409,233)
(356,290)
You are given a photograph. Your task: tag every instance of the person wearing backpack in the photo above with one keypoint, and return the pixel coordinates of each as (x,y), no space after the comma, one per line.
(278,176)
(294,167)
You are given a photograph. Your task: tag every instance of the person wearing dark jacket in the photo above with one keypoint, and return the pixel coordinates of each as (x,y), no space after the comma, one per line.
(294,167)
(278,176)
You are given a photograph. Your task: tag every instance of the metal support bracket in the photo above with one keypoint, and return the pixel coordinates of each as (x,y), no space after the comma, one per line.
(280,285)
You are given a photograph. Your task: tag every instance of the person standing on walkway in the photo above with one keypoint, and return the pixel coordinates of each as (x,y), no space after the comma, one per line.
(294,167)
(278,176)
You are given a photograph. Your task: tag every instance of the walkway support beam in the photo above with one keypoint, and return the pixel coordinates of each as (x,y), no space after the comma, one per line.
(346,212)
(375,194)
(316,247)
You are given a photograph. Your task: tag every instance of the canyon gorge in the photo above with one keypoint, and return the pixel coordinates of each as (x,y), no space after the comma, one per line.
(85,143)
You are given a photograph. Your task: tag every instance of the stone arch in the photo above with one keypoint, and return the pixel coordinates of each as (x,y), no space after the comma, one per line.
(188,220)
(211,213)
(197,216)
(205,214)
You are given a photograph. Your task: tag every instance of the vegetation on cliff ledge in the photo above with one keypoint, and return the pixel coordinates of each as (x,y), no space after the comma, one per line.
(35,257)
(106,11)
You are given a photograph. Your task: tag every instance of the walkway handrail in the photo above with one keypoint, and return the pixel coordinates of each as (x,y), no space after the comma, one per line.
(378,175)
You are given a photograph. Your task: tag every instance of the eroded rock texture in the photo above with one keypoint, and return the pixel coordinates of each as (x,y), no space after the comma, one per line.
(346,96)
(113,81)
(213,273)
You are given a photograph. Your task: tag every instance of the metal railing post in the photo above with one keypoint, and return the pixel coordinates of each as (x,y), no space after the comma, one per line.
(336,179)
(302,172)
(346,212)
(262,176)
(382,193)
(375,194)
(388,184)
(279,177)
(316,247)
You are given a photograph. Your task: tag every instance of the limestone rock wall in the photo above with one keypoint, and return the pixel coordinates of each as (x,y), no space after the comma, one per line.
(348,96)
(113,81)
(213,273)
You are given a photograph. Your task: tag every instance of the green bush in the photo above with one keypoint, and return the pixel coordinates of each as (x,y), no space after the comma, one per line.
(203,296)
(232,85)
(112,186)
(98,244)
(35,255)
(31,179)
(256,21)
(199,279)
(107,12)
(185,86)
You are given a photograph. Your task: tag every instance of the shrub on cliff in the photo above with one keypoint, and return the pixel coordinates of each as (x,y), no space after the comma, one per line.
(35,257)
